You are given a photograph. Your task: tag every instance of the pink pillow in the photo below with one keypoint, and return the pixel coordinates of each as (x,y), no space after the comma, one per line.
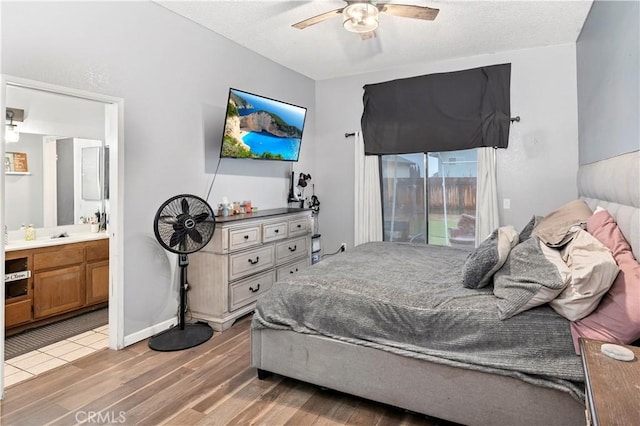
(617,317)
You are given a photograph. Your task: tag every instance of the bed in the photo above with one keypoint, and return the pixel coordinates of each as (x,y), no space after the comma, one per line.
(427,344)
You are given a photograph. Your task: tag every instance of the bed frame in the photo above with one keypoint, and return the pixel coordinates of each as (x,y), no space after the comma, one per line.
(454,394)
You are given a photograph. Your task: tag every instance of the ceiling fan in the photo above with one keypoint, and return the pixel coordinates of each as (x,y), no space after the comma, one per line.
(362,16)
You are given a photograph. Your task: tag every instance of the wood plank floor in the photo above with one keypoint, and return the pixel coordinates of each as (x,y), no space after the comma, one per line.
(211,384)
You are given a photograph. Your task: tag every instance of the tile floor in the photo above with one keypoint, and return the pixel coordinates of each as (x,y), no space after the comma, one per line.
(35,362)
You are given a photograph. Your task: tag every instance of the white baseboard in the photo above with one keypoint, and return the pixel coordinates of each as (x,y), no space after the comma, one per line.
(130,339)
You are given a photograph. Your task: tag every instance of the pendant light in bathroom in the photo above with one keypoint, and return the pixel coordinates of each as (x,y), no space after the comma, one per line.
(11,133)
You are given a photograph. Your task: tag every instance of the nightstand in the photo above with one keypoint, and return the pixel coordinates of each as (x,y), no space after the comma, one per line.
(612,386)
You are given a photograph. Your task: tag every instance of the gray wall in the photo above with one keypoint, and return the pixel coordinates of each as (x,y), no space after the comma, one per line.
(543,147)
(608,62)
(174,78)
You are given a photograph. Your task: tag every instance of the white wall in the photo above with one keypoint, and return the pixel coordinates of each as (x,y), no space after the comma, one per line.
(56,115)
(174,78)
(537,172)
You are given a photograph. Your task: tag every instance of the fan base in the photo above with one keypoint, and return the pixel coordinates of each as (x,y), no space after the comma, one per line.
(175,339)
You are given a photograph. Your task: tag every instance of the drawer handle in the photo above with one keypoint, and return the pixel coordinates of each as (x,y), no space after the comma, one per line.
(246,237)
(293,272)
(293,249)
(276,231)
(299,226)
(253,262)
(252,290)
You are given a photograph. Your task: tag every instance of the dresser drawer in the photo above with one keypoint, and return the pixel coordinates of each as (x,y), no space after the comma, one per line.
(250,262)
(290,269)
(298,227)
(243,238)
(291,249)
(247,291)
(274,231)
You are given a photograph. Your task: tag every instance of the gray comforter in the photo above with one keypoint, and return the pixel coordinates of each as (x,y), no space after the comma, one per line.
(408,299)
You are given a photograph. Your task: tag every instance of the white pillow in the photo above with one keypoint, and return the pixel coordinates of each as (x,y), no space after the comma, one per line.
(593,270)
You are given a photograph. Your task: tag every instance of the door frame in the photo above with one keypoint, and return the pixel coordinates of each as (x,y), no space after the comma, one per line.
(114,135)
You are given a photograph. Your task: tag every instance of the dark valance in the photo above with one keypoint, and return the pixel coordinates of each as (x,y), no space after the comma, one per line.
(438,112)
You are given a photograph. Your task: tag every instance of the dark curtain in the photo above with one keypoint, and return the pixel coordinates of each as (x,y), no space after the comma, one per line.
(438,112)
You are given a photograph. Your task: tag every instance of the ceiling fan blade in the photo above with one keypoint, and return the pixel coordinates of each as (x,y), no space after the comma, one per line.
(317,19)
(408,11)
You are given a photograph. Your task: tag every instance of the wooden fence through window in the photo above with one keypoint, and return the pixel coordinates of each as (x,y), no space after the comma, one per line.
(460,194)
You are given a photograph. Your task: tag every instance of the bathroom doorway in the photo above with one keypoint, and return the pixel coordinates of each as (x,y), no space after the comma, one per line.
(73,123)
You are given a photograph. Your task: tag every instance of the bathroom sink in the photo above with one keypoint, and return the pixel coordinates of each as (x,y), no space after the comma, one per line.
(46,240)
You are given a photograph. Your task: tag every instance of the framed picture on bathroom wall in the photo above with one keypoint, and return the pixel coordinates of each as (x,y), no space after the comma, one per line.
(16,162)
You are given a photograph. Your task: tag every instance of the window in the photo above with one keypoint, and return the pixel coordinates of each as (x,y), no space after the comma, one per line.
(430,197)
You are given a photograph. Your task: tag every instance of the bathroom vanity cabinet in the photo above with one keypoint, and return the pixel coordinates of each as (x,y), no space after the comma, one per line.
(18,288)
(58,280)
(97,272)
(47,283)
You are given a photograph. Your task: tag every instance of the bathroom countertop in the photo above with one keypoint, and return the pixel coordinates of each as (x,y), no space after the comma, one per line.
(46,241)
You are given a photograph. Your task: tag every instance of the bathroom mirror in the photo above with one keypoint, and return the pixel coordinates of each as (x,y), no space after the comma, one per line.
(62,137)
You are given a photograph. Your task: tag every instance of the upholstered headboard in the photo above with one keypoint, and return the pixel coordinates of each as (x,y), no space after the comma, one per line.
(614,184)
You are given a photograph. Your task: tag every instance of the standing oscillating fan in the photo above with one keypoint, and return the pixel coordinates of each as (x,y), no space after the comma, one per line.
(183,224)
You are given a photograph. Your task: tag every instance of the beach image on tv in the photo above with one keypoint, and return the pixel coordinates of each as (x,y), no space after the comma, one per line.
(258,127)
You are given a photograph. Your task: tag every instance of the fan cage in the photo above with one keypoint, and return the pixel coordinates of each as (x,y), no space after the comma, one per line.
(184,224)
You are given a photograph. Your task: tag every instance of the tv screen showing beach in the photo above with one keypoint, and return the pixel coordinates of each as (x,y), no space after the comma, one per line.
(262,128)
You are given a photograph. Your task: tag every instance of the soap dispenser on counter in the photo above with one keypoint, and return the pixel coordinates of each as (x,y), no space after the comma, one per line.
(30,233)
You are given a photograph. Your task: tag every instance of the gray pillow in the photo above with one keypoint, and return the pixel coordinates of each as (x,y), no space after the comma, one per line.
(488,257)
(525,234)
(533,274)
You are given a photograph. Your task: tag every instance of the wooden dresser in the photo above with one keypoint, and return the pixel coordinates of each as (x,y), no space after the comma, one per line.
(612,386)
(246,255)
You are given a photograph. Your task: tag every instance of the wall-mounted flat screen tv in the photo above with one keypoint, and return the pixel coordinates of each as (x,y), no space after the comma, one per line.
(261,128)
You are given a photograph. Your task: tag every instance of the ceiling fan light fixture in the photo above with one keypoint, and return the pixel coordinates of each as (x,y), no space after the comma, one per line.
(360,17)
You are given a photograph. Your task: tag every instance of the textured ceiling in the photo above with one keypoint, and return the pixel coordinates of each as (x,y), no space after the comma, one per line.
(326,50)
